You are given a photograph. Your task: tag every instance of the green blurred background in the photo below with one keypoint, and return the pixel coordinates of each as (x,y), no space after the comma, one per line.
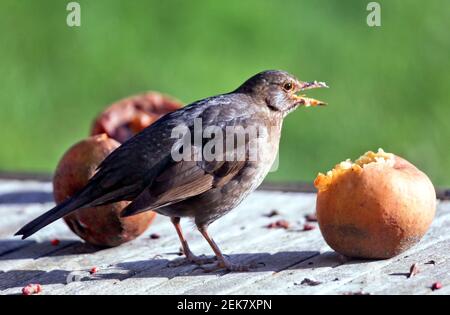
(390,85)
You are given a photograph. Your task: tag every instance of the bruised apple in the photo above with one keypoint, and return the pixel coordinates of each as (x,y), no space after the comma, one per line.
(100,225)
(376,207)
(126,117)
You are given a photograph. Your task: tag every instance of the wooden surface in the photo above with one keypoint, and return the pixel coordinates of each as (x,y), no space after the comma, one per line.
(284,258)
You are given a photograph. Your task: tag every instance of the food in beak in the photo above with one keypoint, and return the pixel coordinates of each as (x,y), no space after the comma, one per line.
(307,101)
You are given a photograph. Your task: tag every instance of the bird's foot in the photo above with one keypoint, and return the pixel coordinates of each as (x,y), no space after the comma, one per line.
(201,260)
(193,259)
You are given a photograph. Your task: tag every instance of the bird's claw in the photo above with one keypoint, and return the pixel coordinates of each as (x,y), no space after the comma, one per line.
(202,260)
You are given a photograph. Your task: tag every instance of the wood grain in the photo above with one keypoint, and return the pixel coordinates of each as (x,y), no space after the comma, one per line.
(282,258)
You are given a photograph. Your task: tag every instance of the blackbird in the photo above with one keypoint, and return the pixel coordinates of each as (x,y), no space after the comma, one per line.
(208,180)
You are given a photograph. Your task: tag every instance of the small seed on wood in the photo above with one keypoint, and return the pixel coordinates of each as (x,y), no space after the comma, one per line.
(272,213)
(310,282)
(279,224)
(436,286)
(155,236)
(55,242)
(311,217)
(308,227)
(32,288)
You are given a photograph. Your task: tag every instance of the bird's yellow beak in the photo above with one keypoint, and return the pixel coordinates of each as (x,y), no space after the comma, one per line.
(302,100)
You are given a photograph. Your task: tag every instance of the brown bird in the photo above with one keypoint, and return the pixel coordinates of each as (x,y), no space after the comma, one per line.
(200,161)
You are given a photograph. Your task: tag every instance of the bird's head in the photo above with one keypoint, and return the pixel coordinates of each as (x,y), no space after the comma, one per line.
(278,90)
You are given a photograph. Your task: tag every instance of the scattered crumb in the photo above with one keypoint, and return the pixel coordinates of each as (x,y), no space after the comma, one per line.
(55,242)
(413,270)
(436,286)
(310,263)
(430,262)
(154,236)
(312,217)
(284,224)
(310,282)
(93,270)
(336,279)
(272,213)
(32,288)
(308,227)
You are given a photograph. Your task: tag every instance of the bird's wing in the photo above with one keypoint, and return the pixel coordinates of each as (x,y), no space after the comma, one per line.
(124,174)
(133,167)
(187,178)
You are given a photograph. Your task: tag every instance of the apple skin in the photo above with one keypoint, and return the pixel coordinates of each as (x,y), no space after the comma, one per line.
(123,119)
(102,225)
(377,213)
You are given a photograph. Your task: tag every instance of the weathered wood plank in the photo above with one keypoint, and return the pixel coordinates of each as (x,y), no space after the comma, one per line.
(74,257)
(232,225)
(142,266)
(336,272)
(392,279)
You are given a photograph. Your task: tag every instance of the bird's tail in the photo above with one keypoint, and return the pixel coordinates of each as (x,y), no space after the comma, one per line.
(52,215)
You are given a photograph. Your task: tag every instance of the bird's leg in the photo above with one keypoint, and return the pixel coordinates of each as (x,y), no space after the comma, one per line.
(190,257)
(222,262)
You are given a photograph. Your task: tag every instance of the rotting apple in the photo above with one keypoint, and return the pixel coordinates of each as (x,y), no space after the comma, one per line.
(123,119)
(374,208)
(100,225)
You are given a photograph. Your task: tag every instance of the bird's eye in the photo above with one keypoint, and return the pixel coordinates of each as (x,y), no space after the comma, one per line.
(287,86)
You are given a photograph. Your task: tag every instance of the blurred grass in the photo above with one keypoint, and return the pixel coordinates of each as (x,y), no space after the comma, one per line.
(389,85)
